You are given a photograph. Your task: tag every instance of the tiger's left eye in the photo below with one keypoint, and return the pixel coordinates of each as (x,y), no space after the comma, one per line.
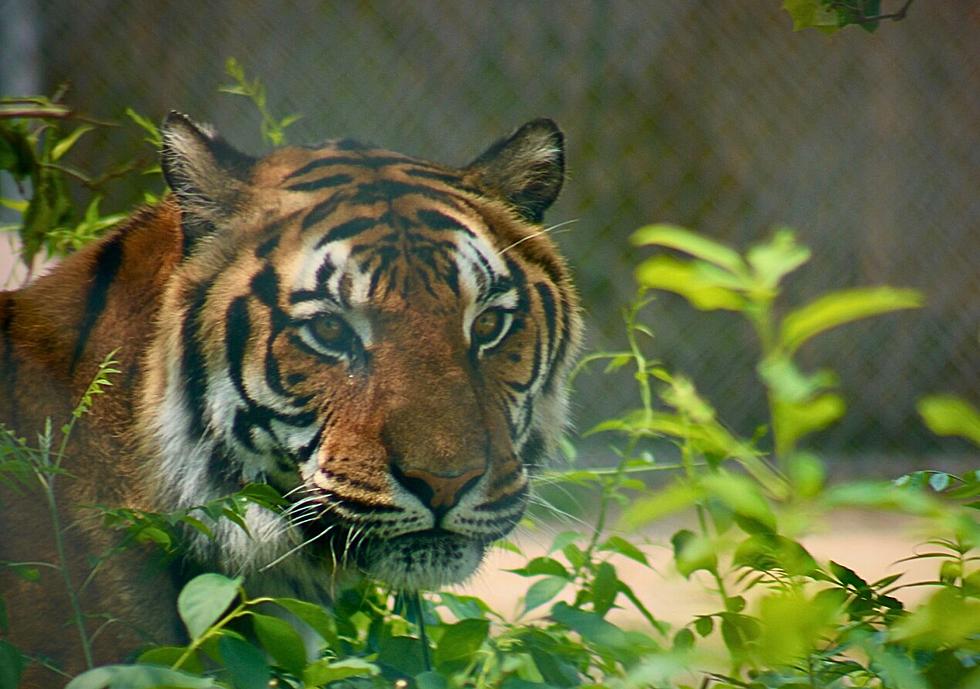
(488,328)
(329,330)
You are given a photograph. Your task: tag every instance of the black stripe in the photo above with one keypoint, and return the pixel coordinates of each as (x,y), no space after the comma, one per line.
(8,373)
(238,327)
(346,230)
(321,211)
(321,183)
(436,220)
(107,262)
(365,161)
(437,175)
(389,190)
(265,286)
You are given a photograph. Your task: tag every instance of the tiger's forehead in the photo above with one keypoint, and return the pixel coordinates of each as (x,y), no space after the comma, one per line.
(373,226)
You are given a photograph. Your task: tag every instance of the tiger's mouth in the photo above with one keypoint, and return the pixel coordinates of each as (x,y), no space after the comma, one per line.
(422,560)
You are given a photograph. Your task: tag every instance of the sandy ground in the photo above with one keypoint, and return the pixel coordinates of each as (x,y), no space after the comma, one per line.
(868,544)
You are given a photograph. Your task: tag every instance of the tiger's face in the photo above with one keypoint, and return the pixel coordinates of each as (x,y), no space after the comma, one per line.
(382,339)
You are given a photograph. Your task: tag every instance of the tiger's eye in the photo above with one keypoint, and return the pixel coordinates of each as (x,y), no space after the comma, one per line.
(329,329)
(487,325)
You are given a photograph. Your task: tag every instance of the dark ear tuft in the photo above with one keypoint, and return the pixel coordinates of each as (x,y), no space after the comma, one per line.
(525,169)
(205,173)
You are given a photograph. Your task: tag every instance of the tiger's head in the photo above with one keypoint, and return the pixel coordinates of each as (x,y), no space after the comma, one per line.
(382,339)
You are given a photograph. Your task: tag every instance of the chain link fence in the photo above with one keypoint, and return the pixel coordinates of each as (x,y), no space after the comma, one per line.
(711,115)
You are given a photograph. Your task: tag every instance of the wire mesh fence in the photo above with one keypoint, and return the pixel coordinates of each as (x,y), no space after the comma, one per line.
(711,115)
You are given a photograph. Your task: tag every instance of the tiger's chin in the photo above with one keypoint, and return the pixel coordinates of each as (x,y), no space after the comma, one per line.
(423,560)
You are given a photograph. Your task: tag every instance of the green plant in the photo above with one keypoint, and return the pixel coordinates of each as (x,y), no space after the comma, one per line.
(781,618)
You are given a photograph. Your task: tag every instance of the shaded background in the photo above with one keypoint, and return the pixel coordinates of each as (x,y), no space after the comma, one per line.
(716,116)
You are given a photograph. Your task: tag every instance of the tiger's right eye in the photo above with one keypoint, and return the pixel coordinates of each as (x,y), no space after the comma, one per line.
(330,331)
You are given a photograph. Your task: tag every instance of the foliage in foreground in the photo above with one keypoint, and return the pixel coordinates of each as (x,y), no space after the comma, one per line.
(781,618)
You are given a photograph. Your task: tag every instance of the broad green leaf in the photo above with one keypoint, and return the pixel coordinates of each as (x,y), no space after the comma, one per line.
(11,666)
(281,641)
(167,656)
(693,552)
(64,145)
(617,544)
(743,496)
(460,642)
(789,383)
(674,237)
(594,630)
(605,586)
(649,508)
(402,654)
(795,420)
(793,625)
(684,278)
(806,474)
(464,607)
(138,677)
(776,258)
(327,670)
(245,663)
(947,619)
(768,552)
(844,306)
(315,616)
(204,599)
(430,680)
(543,565)
(949,415)
(811,14)
(542,591)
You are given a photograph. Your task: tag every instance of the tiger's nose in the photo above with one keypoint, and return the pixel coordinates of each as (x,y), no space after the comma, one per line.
(439,492)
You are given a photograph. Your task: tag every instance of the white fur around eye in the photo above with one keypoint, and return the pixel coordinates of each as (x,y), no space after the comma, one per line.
(489,328)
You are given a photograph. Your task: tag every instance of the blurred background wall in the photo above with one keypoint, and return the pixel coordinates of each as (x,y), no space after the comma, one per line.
(713,115)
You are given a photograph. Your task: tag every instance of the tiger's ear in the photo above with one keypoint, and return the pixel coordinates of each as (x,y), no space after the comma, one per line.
(206,174)
(525,169)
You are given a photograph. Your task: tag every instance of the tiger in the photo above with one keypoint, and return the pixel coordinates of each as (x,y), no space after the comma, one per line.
(384,341)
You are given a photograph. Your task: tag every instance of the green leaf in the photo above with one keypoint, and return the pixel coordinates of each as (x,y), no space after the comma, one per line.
(11,666)
(167,656)
(430,680)
(793,625)
(768,552)
(674,237)
(327,670)
(684,278)
(947,619)
(459,643)
(844,306)
(949,415)
(777,258)
(605,586)
(542,565)
(315,616)
(595,630)
(649,508)
(811,14)
(64,145)
(245,663)
(789,383)
(704,625)
(743,497)
(204,599)
(617,544)
(693,552)
(542,591)
(795,420)
(281,641)
(138,677)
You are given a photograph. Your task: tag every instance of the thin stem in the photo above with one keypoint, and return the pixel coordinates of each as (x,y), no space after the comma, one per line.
(415,601)
(59,544)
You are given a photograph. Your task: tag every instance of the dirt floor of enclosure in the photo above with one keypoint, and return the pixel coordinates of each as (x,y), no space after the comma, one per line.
(870,544)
